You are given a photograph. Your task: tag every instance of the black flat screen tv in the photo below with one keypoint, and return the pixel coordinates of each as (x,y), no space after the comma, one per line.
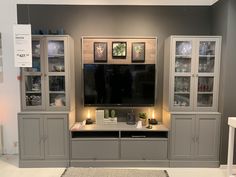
(119,85)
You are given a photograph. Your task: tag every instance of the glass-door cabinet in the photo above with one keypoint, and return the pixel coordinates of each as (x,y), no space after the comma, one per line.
(56,72)
(48,84)
(192,65)
(33,89)
(182,74)
(207,73)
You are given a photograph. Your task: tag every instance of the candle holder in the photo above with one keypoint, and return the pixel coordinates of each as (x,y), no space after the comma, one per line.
(153,121)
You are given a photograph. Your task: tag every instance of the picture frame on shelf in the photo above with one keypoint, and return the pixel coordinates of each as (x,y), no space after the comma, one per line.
(138,52)
(100,52)
(119,50)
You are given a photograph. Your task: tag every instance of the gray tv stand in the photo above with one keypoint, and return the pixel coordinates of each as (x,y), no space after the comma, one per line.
(119,145)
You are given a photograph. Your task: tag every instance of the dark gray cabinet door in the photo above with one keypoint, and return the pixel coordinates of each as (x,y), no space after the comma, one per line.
(182,136)
(31,137)
(56,136)
(95,149)
(143,149)
(207,136)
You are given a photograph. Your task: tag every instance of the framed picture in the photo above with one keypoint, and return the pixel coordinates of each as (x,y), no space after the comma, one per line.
(100,51)
(138,52)
(119,50)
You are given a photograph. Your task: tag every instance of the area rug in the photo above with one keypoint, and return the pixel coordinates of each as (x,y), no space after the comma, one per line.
(101,172)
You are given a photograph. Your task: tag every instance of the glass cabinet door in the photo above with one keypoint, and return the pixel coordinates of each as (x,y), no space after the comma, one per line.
(32,80)
(206,73)
(206,56)
(56,73)
(183,69)
(205,91)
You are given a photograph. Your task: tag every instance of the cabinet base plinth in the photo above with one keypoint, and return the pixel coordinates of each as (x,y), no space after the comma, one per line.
(119,163)
(43,163)
(194,164)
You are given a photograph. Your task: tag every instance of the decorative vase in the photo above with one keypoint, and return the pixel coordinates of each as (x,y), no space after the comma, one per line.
(106,113)
(113,113)
(143,121)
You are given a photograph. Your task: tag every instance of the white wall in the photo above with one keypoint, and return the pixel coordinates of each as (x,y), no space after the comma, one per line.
(9,89)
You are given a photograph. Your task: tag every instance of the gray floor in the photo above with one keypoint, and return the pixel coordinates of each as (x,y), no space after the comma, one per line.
(9,168)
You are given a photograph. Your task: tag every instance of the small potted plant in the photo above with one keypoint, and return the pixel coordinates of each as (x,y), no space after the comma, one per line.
(142,117)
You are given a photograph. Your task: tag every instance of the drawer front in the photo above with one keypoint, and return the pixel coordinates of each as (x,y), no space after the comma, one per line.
(95,149)
(144,149)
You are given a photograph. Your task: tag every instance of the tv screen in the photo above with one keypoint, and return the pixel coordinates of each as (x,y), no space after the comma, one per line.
(119,85)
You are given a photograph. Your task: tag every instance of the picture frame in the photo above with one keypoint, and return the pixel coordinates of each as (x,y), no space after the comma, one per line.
(119,50)
(100,51)
(138,52)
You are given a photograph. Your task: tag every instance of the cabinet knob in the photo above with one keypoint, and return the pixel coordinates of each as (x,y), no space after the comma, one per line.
(192,75)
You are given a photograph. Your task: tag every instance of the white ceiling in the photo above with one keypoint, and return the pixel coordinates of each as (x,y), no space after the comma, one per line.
(122,2)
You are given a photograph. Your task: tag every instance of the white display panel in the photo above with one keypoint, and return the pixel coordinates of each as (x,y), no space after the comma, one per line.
(22,45)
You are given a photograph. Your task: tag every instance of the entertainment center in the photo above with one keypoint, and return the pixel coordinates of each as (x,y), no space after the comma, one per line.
(120,73)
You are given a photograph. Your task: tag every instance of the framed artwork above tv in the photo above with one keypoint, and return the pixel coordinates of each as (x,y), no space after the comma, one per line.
(119,50)
(100,51)
(138,52)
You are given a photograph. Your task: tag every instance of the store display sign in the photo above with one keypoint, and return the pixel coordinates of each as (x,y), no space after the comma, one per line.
(22,45)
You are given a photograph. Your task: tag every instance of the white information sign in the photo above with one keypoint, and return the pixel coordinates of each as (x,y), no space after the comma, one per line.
(22,45)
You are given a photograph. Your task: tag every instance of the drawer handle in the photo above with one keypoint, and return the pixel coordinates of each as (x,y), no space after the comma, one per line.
(141,136)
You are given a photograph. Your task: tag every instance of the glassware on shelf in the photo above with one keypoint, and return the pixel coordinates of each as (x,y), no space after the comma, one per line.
(33,83)
(206,64)
(56,65)
(55,48)
(182,84)
(182,64)
(35,58)
(56,56)
(56,83)
(204,100)
(181,100)
(36,48)
(183,48)
(205,84)
(33,99)
(207,48)
(57,100)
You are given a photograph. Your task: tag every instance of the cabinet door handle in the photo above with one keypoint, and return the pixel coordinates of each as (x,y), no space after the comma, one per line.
(196,75)
(193,139)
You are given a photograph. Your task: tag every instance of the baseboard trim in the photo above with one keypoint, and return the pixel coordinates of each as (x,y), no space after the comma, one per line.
(43,163)
(194,164)
(225,166)
(119,163)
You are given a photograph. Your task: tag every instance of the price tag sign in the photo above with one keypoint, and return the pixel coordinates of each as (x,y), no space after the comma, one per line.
(22,45)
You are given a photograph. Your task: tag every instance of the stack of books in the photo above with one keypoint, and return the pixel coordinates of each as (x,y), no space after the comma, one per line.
(110,120)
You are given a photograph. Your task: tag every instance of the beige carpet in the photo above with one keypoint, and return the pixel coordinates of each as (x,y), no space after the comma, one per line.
(101,172)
